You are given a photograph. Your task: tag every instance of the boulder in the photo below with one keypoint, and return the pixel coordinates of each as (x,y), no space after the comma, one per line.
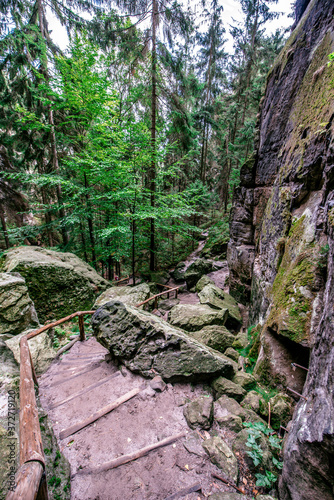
(168,304)
(241,340)
(216,298)
(17,311)
(193,317)
(225,406)
(281,410)
(224,386)
(148,345)
(178,273)
(58,283)
(232,353)
(231,422)
(226,495)
(222,456)
(253,401)
(246,380)
(239,446)
(196,270)
(214,336)
(41,350)
(199,413)
(205,280)
(131,295)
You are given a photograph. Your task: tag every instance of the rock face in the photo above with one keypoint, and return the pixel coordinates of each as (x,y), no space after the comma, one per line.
(17,311)
(58,283)
(148,345)
(128,295)
(281,248)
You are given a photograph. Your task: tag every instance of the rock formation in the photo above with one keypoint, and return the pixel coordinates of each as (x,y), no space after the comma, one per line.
(148,345)
(281,248)
(58,283)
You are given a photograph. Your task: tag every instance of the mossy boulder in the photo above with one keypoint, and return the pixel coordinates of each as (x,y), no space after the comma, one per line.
(193,317)
(281,410)
(216,298)
(148,345)
(178,273)
(196,270)
(131,295)
(245,380)
(239,446)
(222,456)
(224,386)
(241,340)
(17,311)
(226,406)
(214,336)
(253,401)
(199,413)
(232,353)
(58,283)
(42,352)
(205,280)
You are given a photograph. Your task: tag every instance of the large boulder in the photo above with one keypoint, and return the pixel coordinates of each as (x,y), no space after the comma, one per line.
(42,352)
(58,283)
(224,386)
(193,317)
(17,311)
(205,280)
(178,273)
(214,336)
(216,298)
(196,270)
(128,295)
(148,345)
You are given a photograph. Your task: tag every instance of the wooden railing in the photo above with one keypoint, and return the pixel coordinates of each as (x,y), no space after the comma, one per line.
(30,478)
(155,297)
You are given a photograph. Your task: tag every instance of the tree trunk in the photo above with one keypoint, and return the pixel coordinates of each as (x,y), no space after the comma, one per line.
(4,227)
(90,223)
(153,133)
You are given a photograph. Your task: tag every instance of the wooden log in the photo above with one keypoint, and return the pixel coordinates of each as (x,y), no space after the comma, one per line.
(27,481)
(92,418)
(84,391)
(56,323)
(75,375)
(66,347)
(31,446)
(82,328)
(124,459)
(185,491)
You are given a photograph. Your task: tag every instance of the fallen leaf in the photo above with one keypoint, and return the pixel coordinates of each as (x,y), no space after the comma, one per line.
(255,492)
(70,443)
(129,440)
(207,435)
(244,480)
(174,445)
(186,467)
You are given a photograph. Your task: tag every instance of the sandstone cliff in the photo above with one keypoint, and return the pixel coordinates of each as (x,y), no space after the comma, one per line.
(281,249)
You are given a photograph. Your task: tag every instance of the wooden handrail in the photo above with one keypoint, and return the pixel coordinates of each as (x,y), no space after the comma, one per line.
(30,478)
(155,297)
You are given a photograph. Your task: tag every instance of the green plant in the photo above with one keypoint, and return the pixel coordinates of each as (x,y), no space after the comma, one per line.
(257,431)
(54,481)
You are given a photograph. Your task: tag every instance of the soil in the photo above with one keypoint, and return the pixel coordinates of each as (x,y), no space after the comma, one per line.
(149,417)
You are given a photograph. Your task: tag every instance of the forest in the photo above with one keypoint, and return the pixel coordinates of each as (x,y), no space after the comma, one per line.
(129,144)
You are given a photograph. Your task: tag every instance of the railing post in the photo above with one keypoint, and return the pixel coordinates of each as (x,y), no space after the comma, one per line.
(176,293)
(82,328)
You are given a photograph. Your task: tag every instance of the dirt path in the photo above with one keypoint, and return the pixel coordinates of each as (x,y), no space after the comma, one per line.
(147,418)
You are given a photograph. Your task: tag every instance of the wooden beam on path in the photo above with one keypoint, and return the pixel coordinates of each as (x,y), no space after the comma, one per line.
(185,491)
(124,459)
(77,374)
(84,391)
(106,409)
(66,347)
